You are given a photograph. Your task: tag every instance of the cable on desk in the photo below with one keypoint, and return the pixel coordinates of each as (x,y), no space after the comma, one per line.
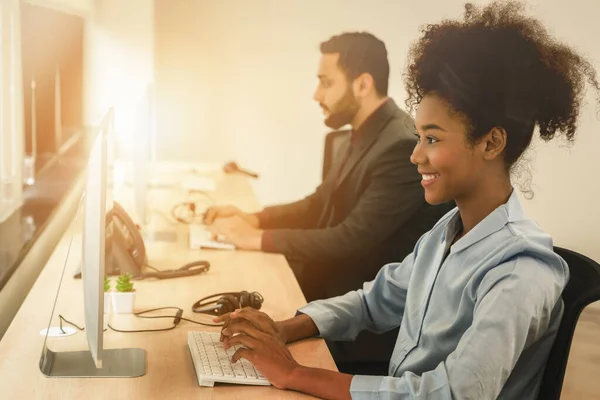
(176,319)
(60,321)
(152,268)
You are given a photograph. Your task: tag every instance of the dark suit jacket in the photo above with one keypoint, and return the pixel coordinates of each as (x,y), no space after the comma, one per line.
(341,235)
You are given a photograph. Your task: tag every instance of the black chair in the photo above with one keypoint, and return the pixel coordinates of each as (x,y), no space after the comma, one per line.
(583,288)
(332,145)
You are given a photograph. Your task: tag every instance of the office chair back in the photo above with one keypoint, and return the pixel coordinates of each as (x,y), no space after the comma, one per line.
(333,140)
(582,289)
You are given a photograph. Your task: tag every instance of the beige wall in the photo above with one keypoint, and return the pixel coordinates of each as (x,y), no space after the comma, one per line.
(119,64)
(565,182)
(235,82)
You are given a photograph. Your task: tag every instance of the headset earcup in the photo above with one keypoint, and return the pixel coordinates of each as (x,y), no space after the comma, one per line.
(253,300)
(256,300)
(244,297)
(228,304)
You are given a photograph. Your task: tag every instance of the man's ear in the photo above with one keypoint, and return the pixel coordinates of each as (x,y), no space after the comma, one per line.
(363,85)
(494,143)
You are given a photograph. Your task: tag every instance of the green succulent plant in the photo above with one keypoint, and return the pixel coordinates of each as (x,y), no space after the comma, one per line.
(106,284)
(124,283)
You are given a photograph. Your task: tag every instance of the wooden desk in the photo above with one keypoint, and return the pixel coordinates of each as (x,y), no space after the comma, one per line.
(170,372)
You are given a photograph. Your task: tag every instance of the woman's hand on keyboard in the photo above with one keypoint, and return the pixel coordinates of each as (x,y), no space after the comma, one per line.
(266,351)
(251,316)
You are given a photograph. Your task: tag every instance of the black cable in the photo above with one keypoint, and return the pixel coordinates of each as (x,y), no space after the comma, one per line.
(152,268)
(61,319)
(200,323)
(177,318)
(141,330)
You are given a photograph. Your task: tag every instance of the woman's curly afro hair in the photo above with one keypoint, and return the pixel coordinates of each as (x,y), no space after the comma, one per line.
(500,68)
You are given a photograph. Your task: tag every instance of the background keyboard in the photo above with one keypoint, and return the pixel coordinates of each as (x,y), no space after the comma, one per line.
(201,238)
(213,363)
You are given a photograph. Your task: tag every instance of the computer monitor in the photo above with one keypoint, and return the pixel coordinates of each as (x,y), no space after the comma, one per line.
(143,157)
(93,247)
(97,362)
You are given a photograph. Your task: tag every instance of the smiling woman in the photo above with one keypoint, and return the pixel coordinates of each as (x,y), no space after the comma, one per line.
(443,154)
(478,103)
(526,79)
(478,302)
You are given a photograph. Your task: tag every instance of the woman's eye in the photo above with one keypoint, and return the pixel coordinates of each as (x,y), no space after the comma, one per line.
(431,140)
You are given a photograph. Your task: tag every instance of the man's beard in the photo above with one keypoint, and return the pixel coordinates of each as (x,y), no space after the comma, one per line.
(344,111)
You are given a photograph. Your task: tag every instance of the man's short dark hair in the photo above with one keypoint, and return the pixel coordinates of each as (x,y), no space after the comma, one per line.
(361,52)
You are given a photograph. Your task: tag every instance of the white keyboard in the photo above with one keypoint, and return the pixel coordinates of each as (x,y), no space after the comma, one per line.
(201,238)
(213,363)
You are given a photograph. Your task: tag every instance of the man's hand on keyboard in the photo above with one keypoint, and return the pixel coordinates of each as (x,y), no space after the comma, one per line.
(238,232)
(262,345)
(216,212)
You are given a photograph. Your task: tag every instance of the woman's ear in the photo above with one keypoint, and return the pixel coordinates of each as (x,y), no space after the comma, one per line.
(495,143)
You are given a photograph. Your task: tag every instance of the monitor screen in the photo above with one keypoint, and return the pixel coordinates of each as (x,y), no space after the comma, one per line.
(93,242)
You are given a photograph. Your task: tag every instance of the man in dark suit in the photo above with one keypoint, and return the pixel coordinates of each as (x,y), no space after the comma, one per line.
(369,210)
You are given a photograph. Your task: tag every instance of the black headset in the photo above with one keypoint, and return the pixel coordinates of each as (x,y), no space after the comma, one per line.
(228,302)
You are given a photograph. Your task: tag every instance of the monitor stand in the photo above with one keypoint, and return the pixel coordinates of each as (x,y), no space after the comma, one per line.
(116,363)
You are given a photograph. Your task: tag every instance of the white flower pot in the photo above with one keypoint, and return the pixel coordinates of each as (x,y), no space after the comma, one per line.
(122,302)
(107,302)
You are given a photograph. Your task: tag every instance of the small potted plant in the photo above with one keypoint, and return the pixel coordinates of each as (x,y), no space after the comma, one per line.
(107,295)
(124,296)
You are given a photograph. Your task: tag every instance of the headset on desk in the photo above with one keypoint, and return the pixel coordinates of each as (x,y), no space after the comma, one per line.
(192,210)
(226,303)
